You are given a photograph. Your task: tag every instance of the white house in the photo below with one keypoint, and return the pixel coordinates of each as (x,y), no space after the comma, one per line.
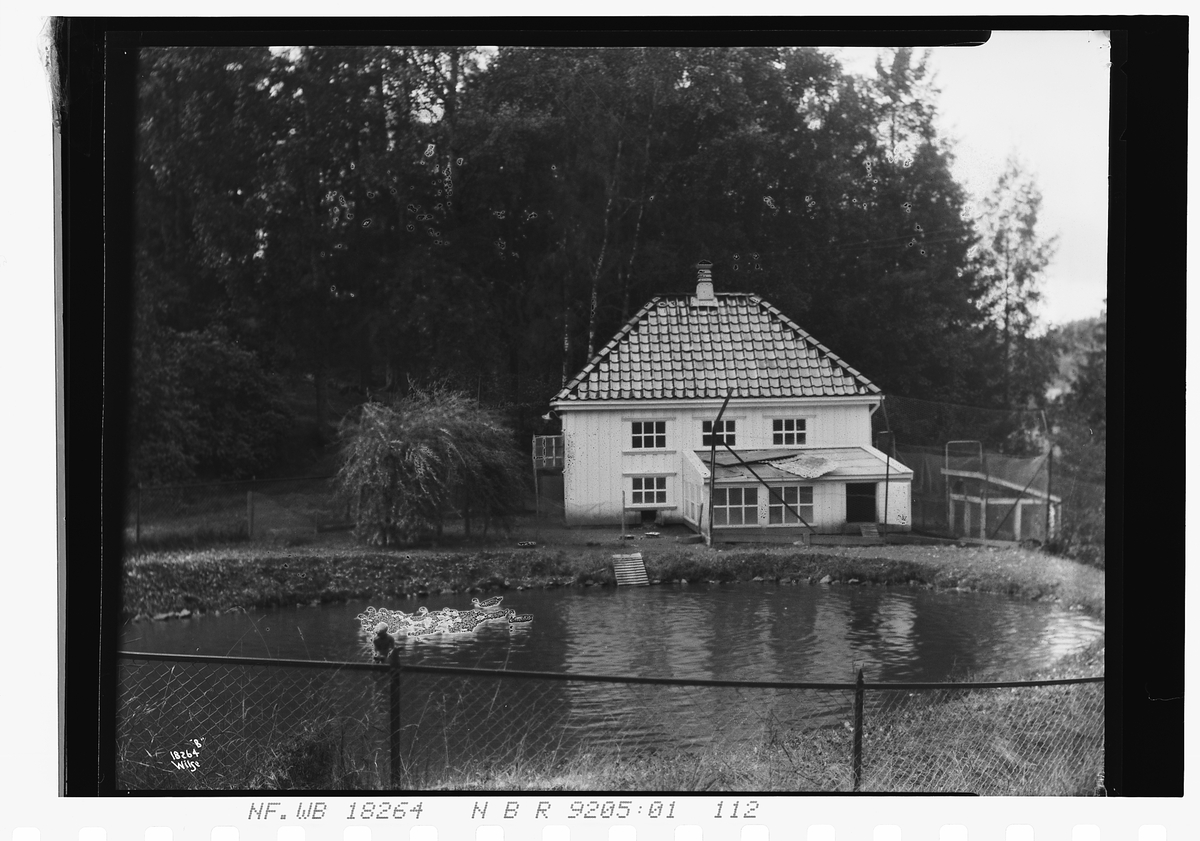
(789,457)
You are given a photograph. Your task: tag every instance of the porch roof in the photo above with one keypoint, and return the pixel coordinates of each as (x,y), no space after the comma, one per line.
(810,464)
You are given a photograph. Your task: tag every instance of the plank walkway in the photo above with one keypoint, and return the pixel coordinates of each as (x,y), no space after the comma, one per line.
(630,569)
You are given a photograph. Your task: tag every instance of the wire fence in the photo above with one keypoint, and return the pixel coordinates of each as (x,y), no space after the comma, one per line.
(193,722)
(281,511)
(172,516)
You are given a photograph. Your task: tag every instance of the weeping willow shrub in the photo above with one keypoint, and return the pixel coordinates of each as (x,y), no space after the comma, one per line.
(436,450)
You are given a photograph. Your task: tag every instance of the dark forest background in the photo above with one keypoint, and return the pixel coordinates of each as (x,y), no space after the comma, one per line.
(320,227)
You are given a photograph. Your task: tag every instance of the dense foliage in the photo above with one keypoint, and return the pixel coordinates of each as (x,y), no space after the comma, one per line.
(1080,426)
(358,219)
(406,464)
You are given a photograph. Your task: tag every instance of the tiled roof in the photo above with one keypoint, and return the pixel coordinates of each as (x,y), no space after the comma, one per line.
(742,346)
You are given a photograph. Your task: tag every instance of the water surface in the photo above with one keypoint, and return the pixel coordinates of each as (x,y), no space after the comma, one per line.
(742,631)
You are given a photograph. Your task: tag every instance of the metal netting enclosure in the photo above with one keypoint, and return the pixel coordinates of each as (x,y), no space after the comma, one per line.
(243,723)
(191,722)
(168,516)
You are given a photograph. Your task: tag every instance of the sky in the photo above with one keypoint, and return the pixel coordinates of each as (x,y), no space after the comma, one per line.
(1043,96)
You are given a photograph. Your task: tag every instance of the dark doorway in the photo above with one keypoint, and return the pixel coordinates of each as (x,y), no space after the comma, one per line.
(649,518)
(860,502)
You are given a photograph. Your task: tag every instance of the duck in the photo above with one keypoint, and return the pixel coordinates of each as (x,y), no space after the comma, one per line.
(487,604)
(469,621)
(421,619)
(521,619)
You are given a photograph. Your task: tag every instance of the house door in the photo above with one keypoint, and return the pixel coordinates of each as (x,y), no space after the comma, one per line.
(860,502)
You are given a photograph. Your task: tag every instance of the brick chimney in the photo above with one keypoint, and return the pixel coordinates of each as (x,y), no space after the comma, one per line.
(704,285)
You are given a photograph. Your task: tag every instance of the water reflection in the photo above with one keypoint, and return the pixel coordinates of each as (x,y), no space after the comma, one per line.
(747,632)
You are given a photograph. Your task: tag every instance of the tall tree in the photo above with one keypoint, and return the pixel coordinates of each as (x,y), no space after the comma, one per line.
(1014,252)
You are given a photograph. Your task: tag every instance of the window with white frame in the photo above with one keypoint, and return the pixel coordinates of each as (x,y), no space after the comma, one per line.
(719,432)
(798,507)
(649,435)
(789,432)
(735,506)
(649,490)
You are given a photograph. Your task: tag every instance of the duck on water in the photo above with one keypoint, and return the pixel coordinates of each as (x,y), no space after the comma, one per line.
(386,624)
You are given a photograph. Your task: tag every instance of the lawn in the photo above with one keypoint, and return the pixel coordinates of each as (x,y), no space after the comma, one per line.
(332,567)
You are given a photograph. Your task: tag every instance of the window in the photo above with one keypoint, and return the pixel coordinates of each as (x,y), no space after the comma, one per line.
(789,432)
(719,432)
(648,434)
(799,499)
(649,490)
(735,506)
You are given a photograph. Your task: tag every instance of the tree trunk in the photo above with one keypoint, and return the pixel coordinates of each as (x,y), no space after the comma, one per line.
(612,183)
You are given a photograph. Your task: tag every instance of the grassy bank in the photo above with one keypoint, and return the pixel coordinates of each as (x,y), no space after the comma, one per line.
(249,576)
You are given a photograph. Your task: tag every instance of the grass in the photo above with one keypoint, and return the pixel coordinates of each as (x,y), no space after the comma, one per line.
(329,568)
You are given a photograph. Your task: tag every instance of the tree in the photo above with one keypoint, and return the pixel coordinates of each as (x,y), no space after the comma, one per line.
(1012,256)
(404,464)
(1087,400)
(202,407)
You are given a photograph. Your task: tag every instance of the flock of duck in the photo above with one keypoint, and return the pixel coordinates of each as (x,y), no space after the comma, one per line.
(387,624)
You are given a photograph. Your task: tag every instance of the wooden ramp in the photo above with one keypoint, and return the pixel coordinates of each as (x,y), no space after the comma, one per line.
(630,569)
(871,532)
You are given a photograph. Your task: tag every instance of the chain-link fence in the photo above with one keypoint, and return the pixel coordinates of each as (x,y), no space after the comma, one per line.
(961,490)
(171,516)
(989,474)
(285,510)
(188,722)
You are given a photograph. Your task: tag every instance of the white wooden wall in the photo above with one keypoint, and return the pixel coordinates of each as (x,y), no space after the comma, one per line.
(599,459)
(899,503)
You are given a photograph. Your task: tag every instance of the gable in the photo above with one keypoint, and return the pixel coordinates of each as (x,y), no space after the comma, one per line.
(742,347)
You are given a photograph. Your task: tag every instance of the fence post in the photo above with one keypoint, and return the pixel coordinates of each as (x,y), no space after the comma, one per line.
(622,515)
(137,527)
(250,514)
(858,728)
(394,720)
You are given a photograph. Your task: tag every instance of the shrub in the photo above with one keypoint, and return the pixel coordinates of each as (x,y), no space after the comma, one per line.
(404,464)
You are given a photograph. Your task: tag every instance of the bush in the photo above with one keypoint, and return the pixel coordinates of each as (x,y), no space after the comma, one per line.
(405,464)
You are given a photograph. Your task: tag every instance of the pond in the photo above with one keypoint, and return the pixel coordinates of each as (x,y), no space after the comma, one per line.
(743,632)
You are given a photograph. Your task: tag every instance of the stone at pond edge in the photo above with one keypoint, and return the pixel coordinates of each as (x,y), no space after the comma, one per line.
(826,580)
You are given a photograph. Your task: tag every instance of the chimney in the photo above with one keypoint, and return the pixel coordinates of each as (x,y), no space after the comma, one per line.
(704,286)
